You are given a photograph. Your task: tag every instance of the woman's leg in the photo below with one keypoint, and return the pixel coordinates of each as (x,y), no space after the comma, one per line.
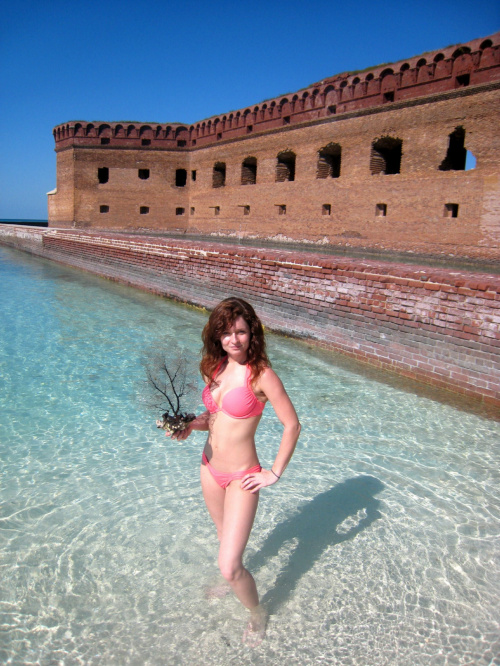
(239,511)
(214,497)
(233,512)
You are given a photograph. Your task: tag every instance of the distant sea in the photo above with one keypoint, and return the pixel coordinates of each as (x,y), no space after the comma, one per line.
(28,223)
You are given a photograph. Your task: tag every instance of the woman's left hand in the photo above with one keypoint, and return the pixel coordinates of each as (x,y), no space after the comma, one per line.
(254,482)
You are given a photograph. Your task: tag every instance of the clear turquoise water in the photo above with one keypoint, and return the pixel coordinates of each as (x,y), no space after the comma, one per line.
(381,544)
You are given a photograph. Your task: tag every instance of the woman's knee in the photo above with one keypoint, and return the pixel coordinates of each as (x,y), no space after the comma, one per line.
(230,570)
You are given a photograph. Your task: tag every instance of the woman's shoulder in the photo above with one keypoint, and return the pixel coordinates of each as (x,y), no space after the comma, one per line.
(268,378)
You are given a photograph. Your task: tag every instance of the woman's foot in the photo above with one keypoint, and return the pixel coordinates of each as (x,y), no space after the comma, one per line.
(256,630)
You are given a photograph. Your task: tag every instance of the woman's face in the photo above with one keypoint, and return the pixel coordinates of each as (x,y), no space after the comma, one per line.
(236,340)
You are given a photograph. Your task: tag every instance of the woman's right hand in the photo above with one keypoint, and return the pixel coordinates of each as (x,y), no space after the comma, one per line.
(181,435)
(200,423)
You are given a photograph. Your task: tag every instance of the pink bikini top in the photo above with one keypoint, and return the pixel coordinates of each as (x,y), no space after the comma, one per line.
(239,403)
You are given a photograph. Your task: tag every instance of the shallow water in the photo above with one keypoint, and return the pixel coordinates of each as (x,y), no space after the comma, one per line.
(380,545)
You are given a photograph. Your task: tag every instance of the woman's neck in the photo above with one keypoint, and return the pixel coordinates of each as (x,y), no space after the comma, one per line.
(232,359)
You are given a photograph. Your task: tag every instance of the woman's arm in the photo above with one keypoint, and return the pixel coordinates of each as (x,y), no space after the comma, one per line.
(270,384)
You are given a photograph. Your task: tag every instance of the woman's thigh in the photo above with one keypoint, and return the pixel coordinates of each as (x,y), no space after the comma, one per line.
(240,507)
(214,497)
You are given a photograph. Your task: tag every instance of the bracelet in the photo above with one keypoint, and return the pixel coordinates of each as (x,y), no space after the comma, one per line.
(278,477)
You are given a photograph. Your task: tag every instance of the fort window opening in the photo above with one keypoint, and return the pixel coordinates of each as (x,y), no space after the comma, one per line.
(285,166)
(103,175)
(286,120)
(219,174)
(329,159)
(451,210)
(216,210)
(143,174)
(249,129)
(145,142)
(457,154)
(179,211)
(470,161)
(380,210)
(462,81)
(281,209)
(249,171)
(104,209)
(192,210)
(193,175)
(386,156)
(180,177)
(388,96)
(246,209)
(105,141)
(144,210)
(326,209)
(181,143)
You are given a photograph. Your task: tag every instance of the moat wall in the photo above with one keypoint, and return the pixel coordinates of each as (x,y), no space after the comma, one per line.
(438,326)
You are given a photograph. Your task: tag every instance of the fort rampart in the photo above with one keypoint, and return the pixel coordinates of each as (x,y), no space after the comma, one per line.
(438,326)
(382,158)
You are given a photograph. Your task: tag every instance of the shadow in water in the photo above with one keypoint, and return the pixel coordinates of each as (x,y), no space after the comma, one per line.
(330,518)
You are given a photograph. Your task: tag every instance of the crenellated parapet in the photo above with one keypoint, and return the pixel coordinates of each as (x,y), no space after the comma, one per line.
(459,66)
(124,134)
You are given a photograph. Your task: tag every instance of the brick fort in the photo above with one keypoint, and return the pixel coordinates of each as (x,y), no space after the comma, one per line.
(403,157)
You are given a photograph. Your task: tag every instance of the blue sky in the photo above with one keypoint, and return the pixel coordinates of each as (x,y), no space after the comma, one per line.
(184,61)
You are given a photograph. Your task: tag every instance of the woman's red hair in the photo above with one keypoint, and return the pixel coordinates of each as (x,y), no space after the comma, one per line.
(221,319)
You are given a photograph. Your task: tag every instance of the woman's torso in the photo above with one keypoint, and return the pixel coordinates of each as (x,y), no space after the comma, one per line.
(235,412)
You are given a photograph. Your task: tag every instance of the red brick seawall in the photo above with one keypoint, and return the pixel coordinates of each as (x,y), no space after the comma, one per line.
(439,326)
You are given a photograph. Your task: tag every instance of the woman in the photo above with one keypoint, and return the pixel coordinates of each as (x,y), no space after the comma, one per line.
(239,382)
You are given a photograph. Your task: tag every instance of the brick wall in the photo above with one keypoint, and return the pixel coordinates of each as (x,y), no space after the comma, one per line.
(415,198)
(435,325)
(138,191)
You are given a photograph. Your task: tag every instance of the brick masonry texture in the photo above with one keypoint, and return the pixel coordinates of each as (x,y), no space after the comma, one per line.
(196,179)
(438,326)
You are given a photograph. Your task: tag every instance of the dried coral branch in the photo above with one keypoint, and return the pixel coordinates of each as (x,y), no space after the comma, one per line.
(169,384)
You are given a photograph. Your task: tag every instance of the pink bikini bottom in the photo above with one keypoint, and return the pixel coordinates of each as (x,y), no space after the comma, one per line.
(225,478)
